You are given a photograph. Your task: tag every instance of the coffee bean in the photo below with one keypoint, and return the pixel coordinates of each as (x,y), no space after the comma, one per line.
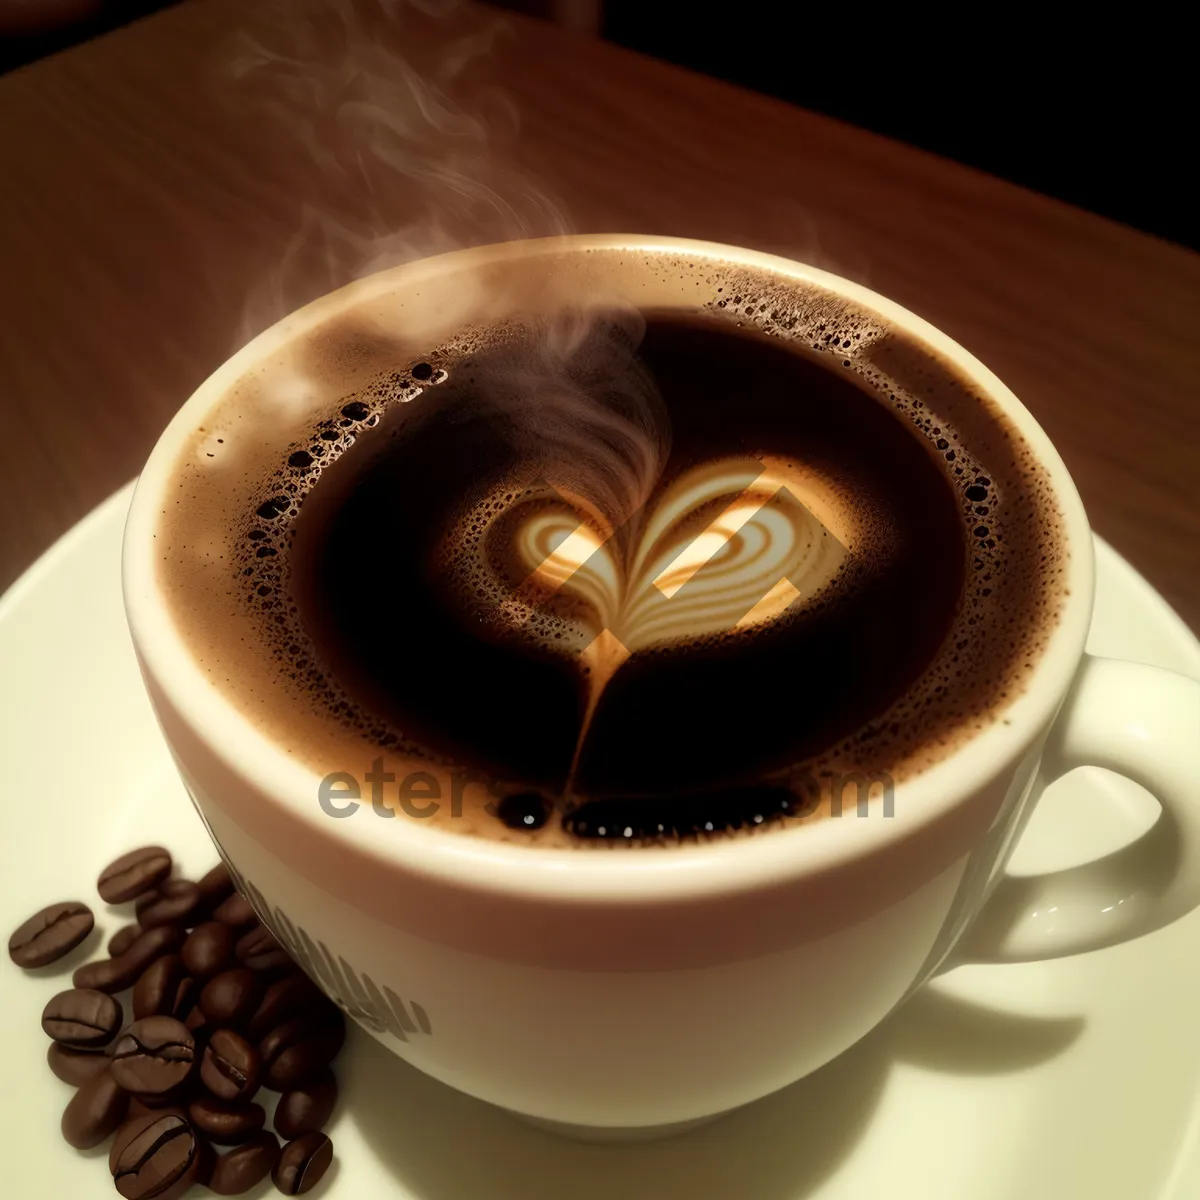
(193,997)
(260,950)
(235,911)
(231,997)
(50,933)
(226,1124)
(306,1109)
(296,1051)
(116,974)
(239,1169)
(215,887)
(174,902)
(73,1065)
(231,1066)
(123,939)
(302,1163)
(82,1017)
(209,949)
(153,1056)
(154,1158)
(137,1124)
(285,998)
(94,1112)
(206,1158)
(133,873)
(143,1106)
(165,989)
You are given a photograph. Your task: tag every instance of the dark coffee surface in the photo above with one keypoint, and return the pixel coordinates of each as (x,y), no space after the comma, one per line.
(889,582)
(680,716)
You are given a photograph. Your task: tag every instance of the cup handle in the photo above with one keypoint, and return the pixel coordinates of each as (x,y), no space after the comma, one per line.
(1144,723)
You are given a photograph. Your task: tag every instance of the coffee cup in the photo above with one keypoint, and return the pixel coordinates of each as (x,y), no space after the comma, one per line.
(632,992)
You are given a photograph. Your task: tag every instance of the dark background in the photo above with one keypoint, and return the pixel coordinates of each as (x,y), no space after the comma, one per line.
(1094,112)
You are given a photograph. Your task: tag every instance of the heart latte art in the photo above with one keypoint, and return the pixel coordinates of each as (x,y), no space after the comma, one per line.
(728,546)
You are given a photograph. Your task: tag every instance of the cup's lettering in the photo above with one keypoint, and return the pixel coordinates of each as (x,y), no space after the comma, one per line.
(421,793)
(328,796)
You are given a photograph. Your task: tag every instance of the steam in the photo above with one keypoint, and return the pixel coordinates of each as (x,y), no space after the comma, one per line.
(409,149)
(582,411)
(403,144)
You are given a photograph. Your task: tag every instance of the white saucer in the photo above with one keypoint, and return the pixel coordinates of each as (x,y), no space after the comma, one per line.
(1071,1080)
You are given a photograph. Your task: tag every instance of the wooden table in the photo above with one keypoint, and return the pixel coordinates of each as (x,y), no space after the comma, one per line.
(148,198)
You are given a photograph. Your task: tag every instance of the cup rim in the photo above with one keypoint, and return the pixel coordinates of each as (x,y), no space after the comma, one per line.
(679,872)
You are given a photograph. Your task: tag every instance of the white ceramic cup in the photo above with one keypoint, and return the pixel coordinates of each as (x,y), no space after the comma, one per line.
(626,992)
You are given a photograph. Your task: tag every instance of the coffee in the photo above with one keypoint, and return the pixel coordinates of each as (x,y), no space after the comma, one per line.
(616,572)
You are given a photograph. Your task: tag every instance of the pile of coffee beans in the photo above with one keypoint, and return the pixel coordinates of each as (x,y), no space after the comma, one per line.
(217,1010)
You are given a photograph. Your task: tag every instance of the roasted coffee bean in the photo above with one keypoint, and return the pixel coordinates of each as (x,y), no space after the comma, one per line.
(302,1163)
(306,1109)
(143,1106)
(231,1066)
(226,1124)
(296,1051)
(50,933)
(82,1017)
(123,939)
(206,1158)
(235,911)
(186,996)
(215,887)
(173,902)
(153,1056)
(116,974)
(133,873)
(231,997)
(260,950)
(239,1169)
(75,1066)
(155,1157)
(94,1112)
(209,949)
(165,989)
(135,1125)
(285,998)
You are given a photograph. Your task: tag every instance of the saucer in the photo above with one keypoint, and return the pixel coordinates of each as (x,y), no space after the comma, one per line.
(1078,1078)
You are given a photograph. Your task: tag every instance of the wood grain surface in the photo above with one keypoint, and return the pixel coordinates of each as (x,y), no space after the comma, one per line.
(173,187)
